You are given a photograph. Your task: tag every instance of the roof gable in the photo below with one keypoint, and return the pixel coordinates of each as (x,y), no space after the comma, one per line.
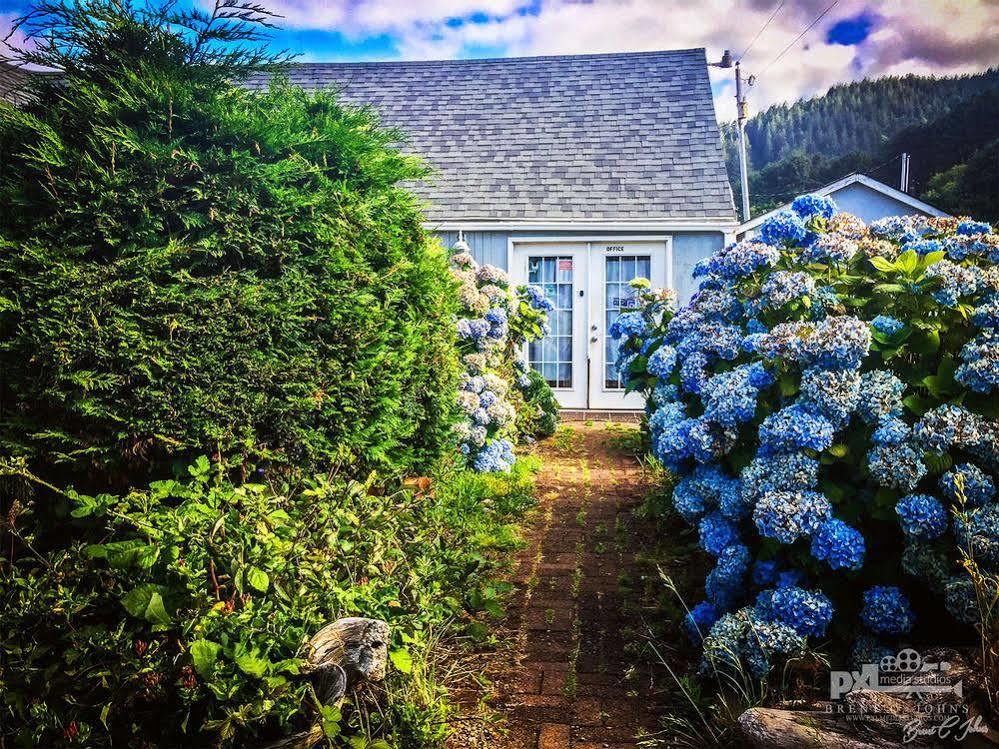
(612,137)
(853,179)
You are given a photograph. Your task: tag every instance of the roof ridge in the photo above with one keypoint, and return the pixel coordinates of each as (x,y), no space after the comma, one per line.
(522,58)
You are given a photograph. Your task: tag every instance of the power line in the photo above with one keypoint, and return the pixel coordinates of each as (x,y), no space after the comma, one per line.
(807,29)
(760,32)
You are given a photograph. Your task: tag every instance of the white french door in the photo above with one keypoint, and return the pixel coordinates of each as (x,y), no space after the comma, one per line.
(588,282)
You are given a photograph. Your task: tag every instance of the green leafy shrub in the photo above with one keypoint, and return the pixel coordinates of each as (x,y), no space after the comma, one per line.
(177,614)
(537,415)
(187,267)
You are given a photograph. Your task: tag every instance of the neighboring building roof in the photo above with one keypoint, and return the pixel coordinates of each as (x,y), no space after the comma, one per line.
(614,137)
(12,81)
(852,179)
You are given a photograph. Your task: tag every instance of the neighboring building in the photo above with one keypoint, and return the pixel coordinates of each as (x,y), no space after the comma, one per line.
(12,80)
(577,173)
(860,195)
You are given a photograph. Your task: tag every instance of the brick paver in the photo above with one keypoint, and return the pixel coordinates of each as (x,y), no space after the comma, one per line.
(574,685)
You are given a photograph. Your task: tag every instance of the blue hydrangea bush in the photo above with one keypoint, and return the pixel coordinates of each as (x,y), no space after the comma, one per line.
(494,323)
(827,402)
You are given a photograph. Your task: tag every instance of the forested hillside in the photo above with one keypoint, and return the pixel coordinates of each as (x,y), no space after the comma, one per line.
(947,125)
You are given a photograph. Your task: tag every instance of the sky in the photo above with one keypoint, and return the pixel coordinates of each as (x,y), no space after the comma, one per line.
(853,39)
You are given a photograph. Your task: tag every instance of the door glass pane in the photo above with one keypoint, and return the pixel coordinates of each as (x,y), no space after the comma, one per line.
(552,356)
(620,297)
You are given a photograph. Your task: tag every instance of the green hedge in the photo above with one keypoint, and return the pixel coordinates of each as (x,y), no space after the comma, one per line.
(189,267)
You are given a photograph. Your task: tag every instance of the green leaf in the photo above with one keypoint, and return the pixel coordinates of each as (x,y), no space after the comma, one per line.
(257,578)
(885,266)
(840,451)
(402,660)
(200,467)
(205,654)
(933,257)
(908,261)
(146,602)
(252,664)
(329,715)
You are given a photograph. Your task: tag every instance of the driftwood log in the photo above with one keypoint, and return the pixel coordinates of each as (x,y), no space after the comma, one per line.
(770,728)
(341,656)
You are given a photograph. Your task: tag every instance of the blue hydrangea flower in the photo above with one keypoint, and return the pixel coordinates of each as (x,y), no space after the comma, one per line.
(495,456)
(986,314)
(900,228)
(716,533)
(927,562)
(662,361)
(807,612)
(794,428)
(886,611)
(693,373)
(969,228)
(839,342)
(537,299)
(724,585)
(922,517)
(923,246)
(810,206)
(783,228)
(833,393)
(783,287)
(887,325)
(977,531)
(730,397)
(628,324)
(764,640)
(738,260)
(787,472)
(896,466)
(699,621)
(980,368)
(955,281)
(891,430)
(961,598)
(765,571)
(760,376)
(946,426)
(790,578)
(880,395)
(978,487)
(789,515)
(709,441)
(838,545)
(867,649)
(831,248)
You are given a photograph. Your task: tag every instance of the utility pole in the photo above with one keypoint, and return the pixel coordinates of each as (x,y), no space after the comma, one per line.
(740,103)
(741,109)
(904,181)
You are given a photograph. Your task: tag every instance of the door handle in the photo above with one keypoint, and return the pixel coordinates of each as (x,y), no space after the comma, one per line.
(593,339)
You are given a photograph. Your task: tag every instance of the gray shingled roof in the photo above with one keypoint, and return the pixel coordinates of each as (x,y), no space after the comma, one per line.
(12,81)
(613,136)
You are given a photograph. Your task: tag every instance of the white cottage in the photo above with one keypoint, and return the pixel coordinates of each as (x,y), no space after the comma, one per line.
(575,173)
(864,197)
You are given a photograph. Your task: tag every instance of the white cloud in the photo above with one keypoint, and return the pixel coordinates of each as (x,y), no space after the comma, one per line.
(942,37)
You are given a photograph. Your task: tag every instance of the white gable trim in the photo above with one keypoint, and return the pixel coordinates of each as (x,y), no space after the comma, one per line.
(862,179)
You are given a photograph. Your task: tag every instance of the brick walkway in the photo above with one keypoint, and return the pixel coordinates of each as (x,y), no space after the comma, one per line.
(572,683)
